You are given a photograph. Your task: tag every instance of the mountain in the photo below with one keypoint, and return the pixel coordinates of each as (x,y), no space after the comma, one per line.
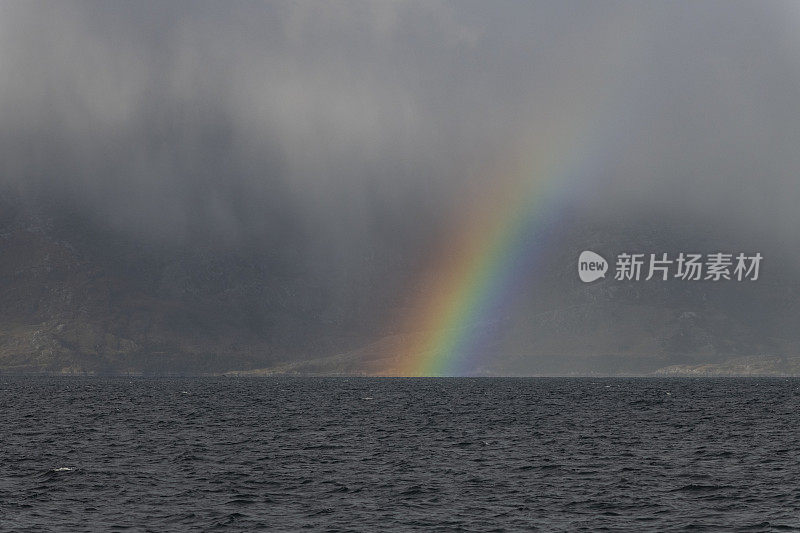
(79,297)
(557,325)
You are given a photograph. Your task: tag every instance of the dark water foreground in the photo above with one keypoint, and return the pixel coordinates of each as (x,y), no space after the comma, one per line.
(378,454)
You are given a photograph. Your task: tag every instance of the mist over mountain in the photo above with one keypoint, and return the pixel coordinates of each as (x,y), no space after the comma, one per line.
(206,187)
(78,298)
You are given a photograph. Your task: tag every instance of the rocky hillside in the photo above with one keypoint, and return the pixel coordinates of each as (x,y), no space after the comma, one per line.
(558,325)
(80,298)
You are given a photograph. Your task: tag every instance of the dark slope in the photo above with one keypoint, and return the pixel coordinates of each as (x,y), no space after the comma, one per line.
(556,325)
(79,297)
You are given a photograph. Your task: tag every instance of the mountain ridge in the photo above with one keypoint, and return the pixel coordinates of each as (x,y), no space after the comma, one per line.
(79,298)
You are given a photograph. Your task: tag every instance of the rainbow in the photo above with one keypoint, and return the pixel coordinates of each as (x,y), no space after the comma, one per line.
(501,237)
(476,272)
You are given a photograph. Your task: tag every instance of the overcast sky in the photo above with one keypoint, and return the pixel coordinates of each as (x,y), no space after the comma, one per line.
(356,122)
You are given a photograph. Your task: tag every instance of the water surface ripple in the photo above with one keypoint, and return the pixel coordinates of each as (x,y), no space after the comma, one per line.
(363,454)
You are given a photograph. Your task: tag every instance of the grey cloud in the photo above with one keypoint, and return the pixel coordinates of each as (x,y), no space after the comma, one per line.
(329,120)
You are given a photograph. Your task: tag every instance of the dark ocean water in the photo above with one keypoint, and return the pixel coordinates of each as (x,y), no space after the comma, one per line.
(381,454)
